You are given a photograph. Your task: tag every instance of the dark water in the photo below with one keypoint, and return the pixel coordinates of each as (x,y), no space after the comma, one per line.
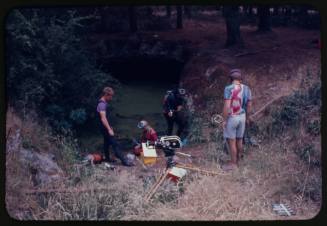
(144,82)
(139,101)
(135,101)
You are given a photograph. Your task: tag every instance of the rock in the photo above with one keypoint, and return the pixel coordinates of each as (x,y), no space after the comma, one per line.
(45,169)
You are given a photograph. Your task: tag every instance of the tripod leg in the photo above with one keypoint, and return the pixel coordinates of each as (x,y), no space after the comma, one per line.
(156,186)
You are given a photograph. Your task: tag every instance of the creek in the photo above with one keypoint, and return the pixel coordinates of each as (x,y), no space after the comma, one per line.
(144,82)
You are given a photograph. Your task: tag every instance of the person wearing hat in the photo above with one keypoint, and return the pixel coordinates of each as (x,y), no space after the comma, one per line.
(237,105)
(148,134)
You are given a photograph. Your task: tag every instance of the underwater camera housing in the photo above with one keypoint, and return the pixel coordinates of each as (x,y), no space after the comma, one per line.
(170,141)
(168,144)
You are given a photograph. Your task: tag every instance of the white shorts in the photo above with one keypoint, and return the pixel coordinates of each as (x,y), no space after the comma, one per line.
(235,126)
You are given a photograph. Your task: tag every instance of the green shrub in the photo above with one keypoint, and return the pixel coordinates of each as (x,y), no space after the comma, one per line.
(68,149)
(296,108)
(78,116)
(48,67)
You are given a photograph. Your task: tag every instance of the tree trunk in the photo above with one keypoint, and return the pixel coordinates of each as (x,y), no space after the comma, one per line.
(250,12)
(132,19)
(149,10)
(288,11)
(302,16)
(276,11)
(264,19)
(232,19)
(103,24)
(188,11)
(179,17)
(168,11)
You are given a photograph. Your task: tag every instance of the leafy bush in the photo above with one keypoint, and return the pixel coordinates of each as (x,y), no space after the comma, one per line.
(48,68)
(78,115)
(295,109)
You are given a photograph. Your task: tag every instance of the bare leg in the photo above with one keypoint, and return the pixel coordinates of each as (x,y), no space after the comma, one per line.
(239,145)
(233,153)
(233,150)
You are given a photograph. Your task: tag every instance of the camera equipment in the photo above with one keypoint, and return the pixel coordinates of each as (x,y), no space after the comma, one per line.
(168,145)
(171,141)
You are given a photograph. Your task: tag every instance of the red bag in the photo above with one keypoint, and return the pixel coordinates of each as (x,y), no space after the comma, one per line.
(97,158)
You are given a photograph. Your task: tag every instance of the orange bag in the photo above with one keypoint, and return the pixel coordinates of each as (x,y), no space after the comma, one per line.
(97,158)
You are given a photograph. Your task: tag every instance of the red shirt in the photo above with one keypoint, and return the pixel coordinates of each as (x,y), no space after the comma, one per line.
(149,135)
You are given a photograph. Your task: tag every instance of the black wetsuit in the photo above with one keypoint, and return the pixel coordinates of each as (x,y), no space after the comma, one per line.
(171,102)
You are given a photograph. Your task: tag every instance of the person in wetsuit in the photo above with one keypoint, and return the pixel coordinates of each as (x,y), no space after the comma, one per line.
(174,112)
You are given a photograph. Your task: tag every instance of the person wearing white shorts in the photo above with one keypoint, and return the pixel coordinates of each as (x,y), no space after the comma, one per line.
(237,104)
(235,127)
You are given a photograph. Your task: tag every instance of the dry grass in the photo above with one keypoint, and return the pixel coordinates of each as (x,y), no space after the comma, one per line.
(274,172)
(267,175)
(25,132)
(278,171)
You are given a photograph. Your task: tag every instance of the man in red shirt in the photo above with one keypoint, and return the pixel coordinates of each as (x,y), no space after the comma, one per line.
(148,134)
